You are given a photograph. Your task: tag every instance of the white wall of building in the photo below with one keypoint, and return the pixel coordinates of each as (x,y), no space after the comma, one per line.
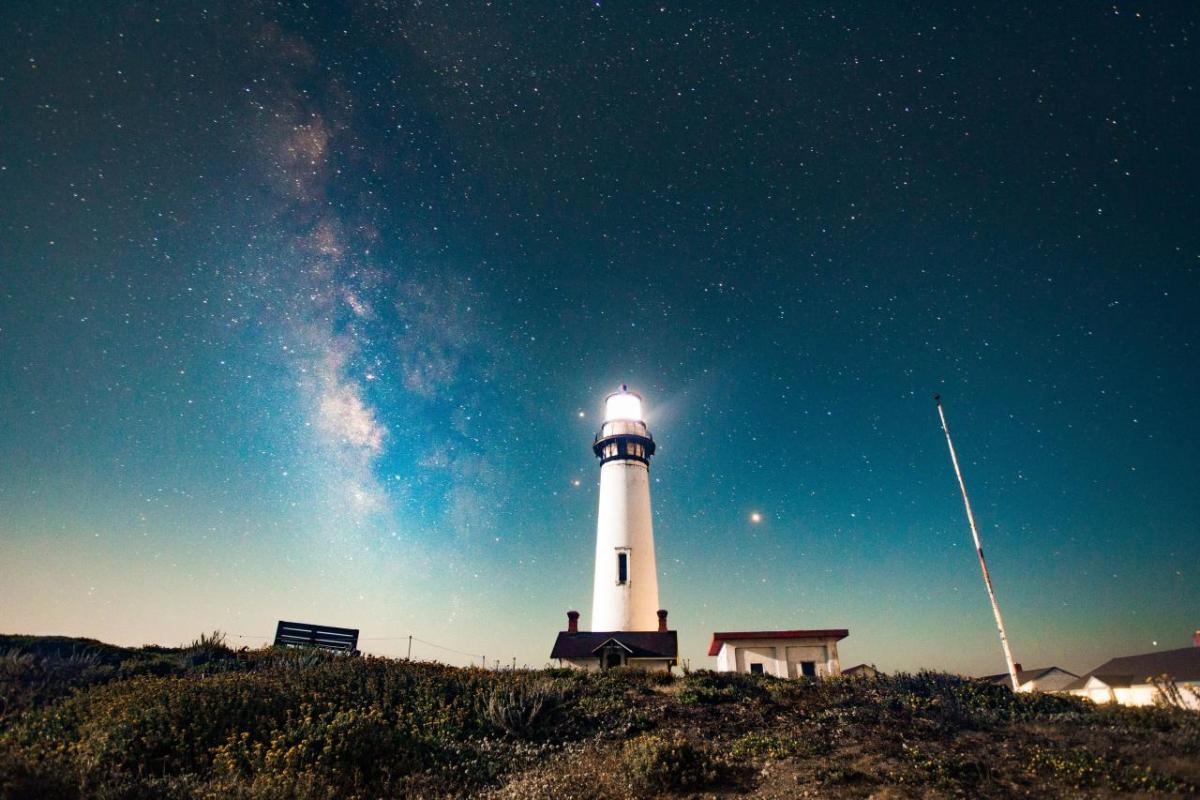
(1137,695)
(779,657)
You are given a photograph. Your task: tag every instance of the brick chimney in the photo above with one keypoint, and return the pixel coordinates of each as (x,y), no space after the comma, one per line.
(572,622)
(662,621)
(1196,638)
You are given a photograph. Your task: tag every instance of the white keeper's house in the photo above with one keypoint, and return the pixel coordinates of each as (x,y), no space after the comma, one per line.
(784,654)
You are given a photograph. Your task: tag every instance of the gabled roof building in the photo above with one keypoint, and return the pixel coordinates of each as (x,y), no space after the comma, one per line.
(1138,680)
(861,671)
(655,651)
(1042,679)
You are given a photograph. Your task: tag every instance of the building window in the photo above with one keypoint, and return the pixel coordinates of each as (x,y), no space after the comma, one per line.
(756,669)
(808,669)
(622,567)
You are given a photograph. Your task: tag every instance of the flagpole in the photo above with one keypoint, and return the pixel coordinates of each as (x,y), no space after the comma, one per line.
(987,578)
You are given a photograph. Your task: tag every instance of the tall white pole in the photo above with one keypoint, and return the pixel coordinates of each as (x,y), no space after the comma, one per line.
(987,578)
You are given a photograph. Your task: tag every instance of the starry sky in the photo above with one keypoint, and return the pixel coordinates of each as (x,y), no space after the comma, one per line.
(308,312)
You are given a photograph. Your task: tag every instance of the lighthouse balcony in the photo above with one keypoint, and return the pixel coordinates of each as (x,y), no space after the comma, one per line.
(629,448)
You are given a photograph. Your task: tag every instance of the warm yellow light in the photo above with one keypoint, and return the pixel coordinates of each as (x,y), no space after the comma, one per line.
(755,517)
(623,405)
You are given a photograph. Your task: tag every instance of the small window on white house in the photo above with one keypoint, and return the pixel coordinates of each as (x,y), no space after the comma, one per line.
(622,567)
(808,669)
(756,669)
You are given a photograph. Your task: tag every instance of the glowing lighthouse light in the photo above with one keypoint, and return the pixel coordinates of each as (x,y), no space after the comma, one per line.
(623,405)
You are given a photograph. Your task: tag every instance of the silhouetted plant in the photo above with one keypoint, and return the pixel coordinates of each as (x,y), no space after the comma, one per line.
(516,710)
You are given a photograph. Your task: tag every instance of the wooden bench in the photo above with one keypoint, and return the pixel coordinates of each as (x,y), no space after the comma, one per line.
(325,637)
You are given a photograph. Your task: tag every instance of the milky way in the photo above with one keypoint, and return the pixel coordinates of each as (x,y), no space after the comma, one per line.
(310,313)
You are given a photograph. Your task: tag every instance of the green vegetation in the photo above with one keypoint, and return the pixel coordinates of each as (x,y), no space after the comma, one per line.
(83,719)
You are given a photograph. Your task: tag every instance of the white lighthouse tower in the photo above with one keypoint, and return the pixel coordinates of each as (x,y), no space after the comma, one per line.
(625,588)
(628,627)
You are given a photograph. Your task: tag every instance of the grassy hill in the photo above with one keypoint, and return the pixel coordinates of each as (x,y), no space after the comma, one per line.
(79,718)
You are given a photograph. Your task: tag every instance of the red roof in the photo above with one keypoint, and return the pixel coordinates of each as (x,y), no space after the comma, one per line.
(823,633)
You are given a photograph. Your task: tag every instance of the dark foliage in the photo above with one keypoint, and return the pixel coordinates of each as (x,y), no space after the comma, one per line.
(88,720)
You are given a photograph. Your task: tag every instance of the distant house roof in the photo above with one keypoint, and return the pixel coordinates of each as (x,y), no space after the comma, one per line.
(640,644)
(1024,676)
(1182,665)
(822,633)
(864,669)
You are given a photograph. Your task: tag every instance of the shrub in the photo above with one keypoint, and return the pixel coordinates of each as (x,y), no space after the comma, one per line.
(705,687)
(516,710)
(757,744)
(1081,769)
(658,763)
(660,678)
(207,650)
(348,749)
(25,776)
(842,774)
(942,768)
(148,725)
(954,703)
(29,680)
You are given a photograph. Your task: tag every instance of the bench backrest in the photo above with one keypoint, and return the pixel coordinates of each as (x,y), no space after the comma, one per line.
(326,637)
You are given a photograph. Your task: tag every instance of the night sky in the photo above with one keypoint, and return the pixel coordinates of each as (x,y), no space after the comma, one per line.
(309,313)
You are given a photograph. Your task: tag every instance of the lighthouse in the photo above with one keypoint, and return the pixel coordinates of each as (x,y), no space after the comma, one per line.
(628,627)
(625,582)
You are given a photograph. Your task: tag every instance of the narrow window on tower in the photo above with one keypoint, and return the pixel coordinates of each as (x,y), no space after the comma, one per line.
(622,567)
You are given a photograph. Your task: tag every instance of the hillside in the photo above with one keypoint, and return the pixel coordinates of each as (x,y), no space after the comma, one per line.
(82,719)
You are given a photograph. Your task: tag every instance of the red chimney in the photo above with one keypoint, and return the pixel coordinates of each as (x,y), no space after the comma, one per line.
(1196,638)
(572,622)
(662,620)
